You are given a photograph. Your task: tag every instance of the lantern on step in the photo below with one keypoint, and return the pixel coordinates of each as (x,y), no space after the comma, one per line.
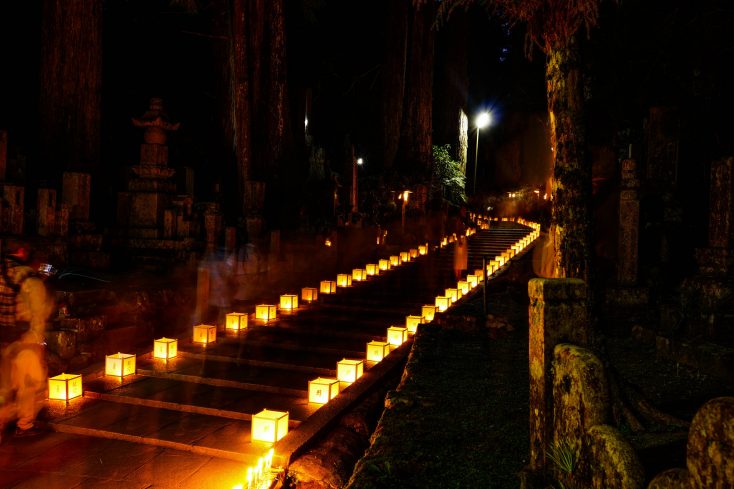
(328,287)
(452,294)
(423,249)
(359,274)
(288,302)
(397,335)
(444,241)
(269,426)
(235,321)
(377,350)
(266,312)
(442,303)
(394,260)
(384,264)
(119,364)
(65,387)
(349,370)
(413,253)
(404,256)
(204,333)
(463,287)
(322,390)
(412,322)
(479,274)
(309,294)
(428,312)
(472,280)
(343,280)
(372,269)
(165,348)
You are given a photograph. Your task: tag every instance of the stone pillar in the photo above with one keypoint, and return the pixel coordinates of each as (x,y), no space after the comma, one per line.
(13,208)
(230,240)
(75,193)
(3,153)
(46,211)
(558,314)
(629,224)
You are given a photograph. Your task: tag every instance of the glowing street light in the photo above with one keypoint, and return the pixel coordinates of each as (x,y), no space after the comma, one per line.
(360,161)
(404,197)
(483,120)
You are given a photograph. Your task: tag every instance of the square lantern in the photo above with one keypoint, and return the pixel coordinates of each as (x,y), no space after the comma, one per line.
(322,390)
(266,312)
(309,294)
(463,286)
(384,264)
(288,302)
(65,387)
(472,280)
(452,294)
(372,269)
(413,253)
(165,348)
(397,335)
(377,350)
(119,364)
(394,260)
(404,256)
(480,274)
(343,280)
(328,287)
(269,426)
(423,250)
(359,274)
(442,303)
(349,370)
(204,333)
(235,321)
(428,312)
(412,322)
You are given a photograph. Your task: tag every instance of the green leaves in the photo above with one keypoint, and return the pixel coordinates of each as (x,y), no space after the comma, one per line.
(448,182)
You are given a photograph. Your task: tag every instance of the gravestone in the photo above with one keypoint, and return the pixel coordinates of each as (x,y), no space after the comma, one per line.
(629,224)
(12,208)
(46,212)
(75,192)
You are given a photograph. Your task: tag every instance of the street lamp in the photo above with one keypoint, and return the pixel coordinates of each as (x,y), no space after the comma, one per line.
(360,161)
(482,120)
(404,197)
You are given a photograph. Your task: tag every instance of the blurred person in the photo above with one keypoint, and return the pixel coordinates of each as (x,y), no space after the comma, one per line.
(25,304)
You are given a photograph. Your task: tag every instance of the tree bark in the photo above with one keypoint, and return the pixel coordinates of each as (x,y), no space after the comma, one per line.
(239,116)
(278,120)
(71,85)
(571,190)
(393,77)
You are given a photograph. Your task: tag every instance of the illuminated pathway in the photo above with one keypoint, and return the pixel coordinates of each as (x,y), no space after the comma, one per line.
(202,401)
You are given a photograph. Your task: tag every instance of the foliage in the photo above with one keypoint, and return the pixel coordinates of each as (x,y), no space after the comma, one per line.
(563,456)
(448,182)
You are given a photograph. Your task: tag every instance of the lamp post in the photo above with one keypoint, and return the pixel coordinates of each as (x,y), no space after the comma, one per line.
(482,120)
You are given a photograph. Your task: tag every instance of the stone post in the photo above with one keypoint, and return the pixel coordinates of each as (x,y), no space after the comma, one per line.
(75,193)
(3,153)
(629,224)
(46,211)
(558,314)
(14,199)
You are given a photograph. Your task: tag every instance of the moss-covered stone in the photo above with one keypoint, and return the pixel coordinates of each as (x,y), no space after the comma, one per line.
(608,461)
(710,451)
(671,479)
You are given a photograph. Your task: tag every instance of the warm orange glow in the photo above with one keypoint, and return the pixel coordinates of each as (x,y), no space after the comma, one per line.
(165,348)
(266,312)
(442,303)
(412,322)
(349,370)
(377,350)
(327,242)
(322,390)
(119,364)
(236,321)
(397,335)
(204,333)
(372,269)
(309,294)
(288,302)
(65,387)
(384,264)
(413,253)
(444,241)
(472,280)
(423,250)
(269,426)
(463,287)
(343,280)
(359,274)
(404,256)
(452,294)
(394,260)
(428,313)
(328,287)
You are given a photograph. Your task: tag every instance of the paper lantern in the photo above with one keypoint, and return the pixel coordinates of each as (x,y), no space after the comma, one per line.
(394,260)
(412,322)
(372,269)
(349,370)
(322,390)
(235,321)
(428,312)
(204,333)
(404,256)
(472,280)
(384,264)
(119,364)
(452,294)
(359,274)
(397,335)
(442,303)
(423,250)
(328,287)
(165,348)
(413,253)
(266,312)
(65,387)
(377,350)
(343,280)
(288,302)
(444,241)
(463,286)
(309,294)
(269,426)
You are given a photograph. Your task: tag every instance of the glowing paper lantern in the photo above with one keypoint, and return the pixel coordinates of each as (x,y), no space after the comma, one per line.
(428,312)
(444,242)
(413,253)
(412,322)
(343,280)
(473,280)
(269,426)
(397,335)
(463,286)
(404,256)
(328,287)
(65,387)
(266,312)
(119,364)
(235,321)
(423,250)
(288,302)
(349,370)
(442,303)
(384,264)
(309,294)
(359,274)
(394,260)
(377,350)
(204,333)
(372,269)
(322,390)
(165,348)
(452,294)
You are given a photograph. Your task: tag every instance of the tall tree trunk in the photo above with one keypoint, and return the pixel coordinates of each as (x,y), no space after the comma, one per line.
(71,85)
(278,122)
(571,228)
(415,149)
(393,77)
(257,50)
